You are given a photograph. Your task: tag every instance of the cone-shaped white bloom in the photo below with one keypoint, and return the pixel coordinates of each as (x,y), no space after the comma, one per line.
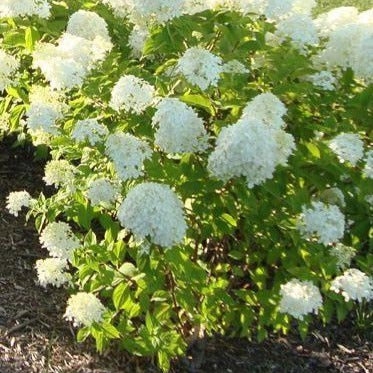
(154,211)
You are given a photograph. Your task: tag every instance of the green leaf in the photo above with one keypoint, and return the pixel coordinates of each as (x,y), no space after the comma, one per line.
(120,295)
(163,361)
(110,331)
(314,150)
(31,37)
(303,329)
(342,312)
(199,101)
(229,219)
(83,334)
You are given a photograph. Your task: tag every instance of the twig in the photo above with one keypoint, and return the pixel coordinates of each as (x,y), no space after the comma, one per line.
(20,326)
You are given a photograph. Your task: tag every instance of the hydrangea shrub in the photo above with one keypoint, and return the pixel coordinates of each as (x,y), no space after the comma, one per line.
(211,162)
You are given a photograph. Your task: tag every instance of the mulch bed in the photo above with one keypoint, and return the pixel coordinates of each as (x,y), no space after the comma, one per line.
(35,338)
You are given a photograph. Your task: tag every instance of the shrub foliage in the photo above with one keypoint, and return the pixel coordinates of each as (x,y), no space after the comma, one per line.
(221,209)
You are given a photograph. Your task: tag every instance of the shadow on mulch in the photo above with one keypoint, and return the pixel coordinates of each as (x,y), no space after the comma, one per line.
(35,339)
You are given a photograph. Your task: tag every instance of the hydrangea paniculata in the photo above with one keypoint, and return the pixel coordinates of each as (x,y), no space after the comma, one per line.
(16,201)
(353,285)
(251,149)
(300,29)
(154,211)
(8,68)
(200,67)
(344,255)
(128,154)
(89,130)
(179,128)
(102,191)
(52,271)
(84,309)
(59,173)
(268,108)
(348,147)
(300,298)
(59,240)
(46,109)
(324,80)
(132,94)
(67,64)
(22,8)
(325,221)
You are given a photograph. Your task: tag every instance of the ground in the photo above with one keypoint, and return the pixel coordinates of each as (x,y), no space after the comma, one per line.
(35,338)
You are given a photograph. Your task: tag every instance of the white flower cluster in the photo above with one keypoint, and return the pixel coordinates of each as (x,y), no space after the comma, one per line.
(88,25)
(66,64)
(8,67)
(102,191)
(121,7)
(324,80)
(128,154)
(158,11)
(285,146)
(235,67)
(368,168)
(267,108)
(147,11)
(344,255)
(251,6)
(255,145)
(348,147)
(89,130)
(61,70)
(280,9)
(16,201)
(46,109)
(137,39)
(277,9)
(304,6)
(154,211)
(299,298)
(325,221)
(21,8)
(299,28)
(366,17)
(350,40)
(132,94)
(84,309)
(59,240)
(196,6)
(51,271)
(272,9)
(327,22)
(353,285)
(200,67)
(248,148)
(180,130)
(59,173)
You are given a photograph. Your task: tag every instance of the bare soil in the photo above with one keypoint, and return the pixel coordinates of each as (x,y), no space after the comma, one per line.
(35,338)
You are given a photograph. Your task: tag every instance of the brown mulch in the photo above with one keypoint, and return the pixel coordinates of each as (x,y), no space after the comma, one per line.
(34,337)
